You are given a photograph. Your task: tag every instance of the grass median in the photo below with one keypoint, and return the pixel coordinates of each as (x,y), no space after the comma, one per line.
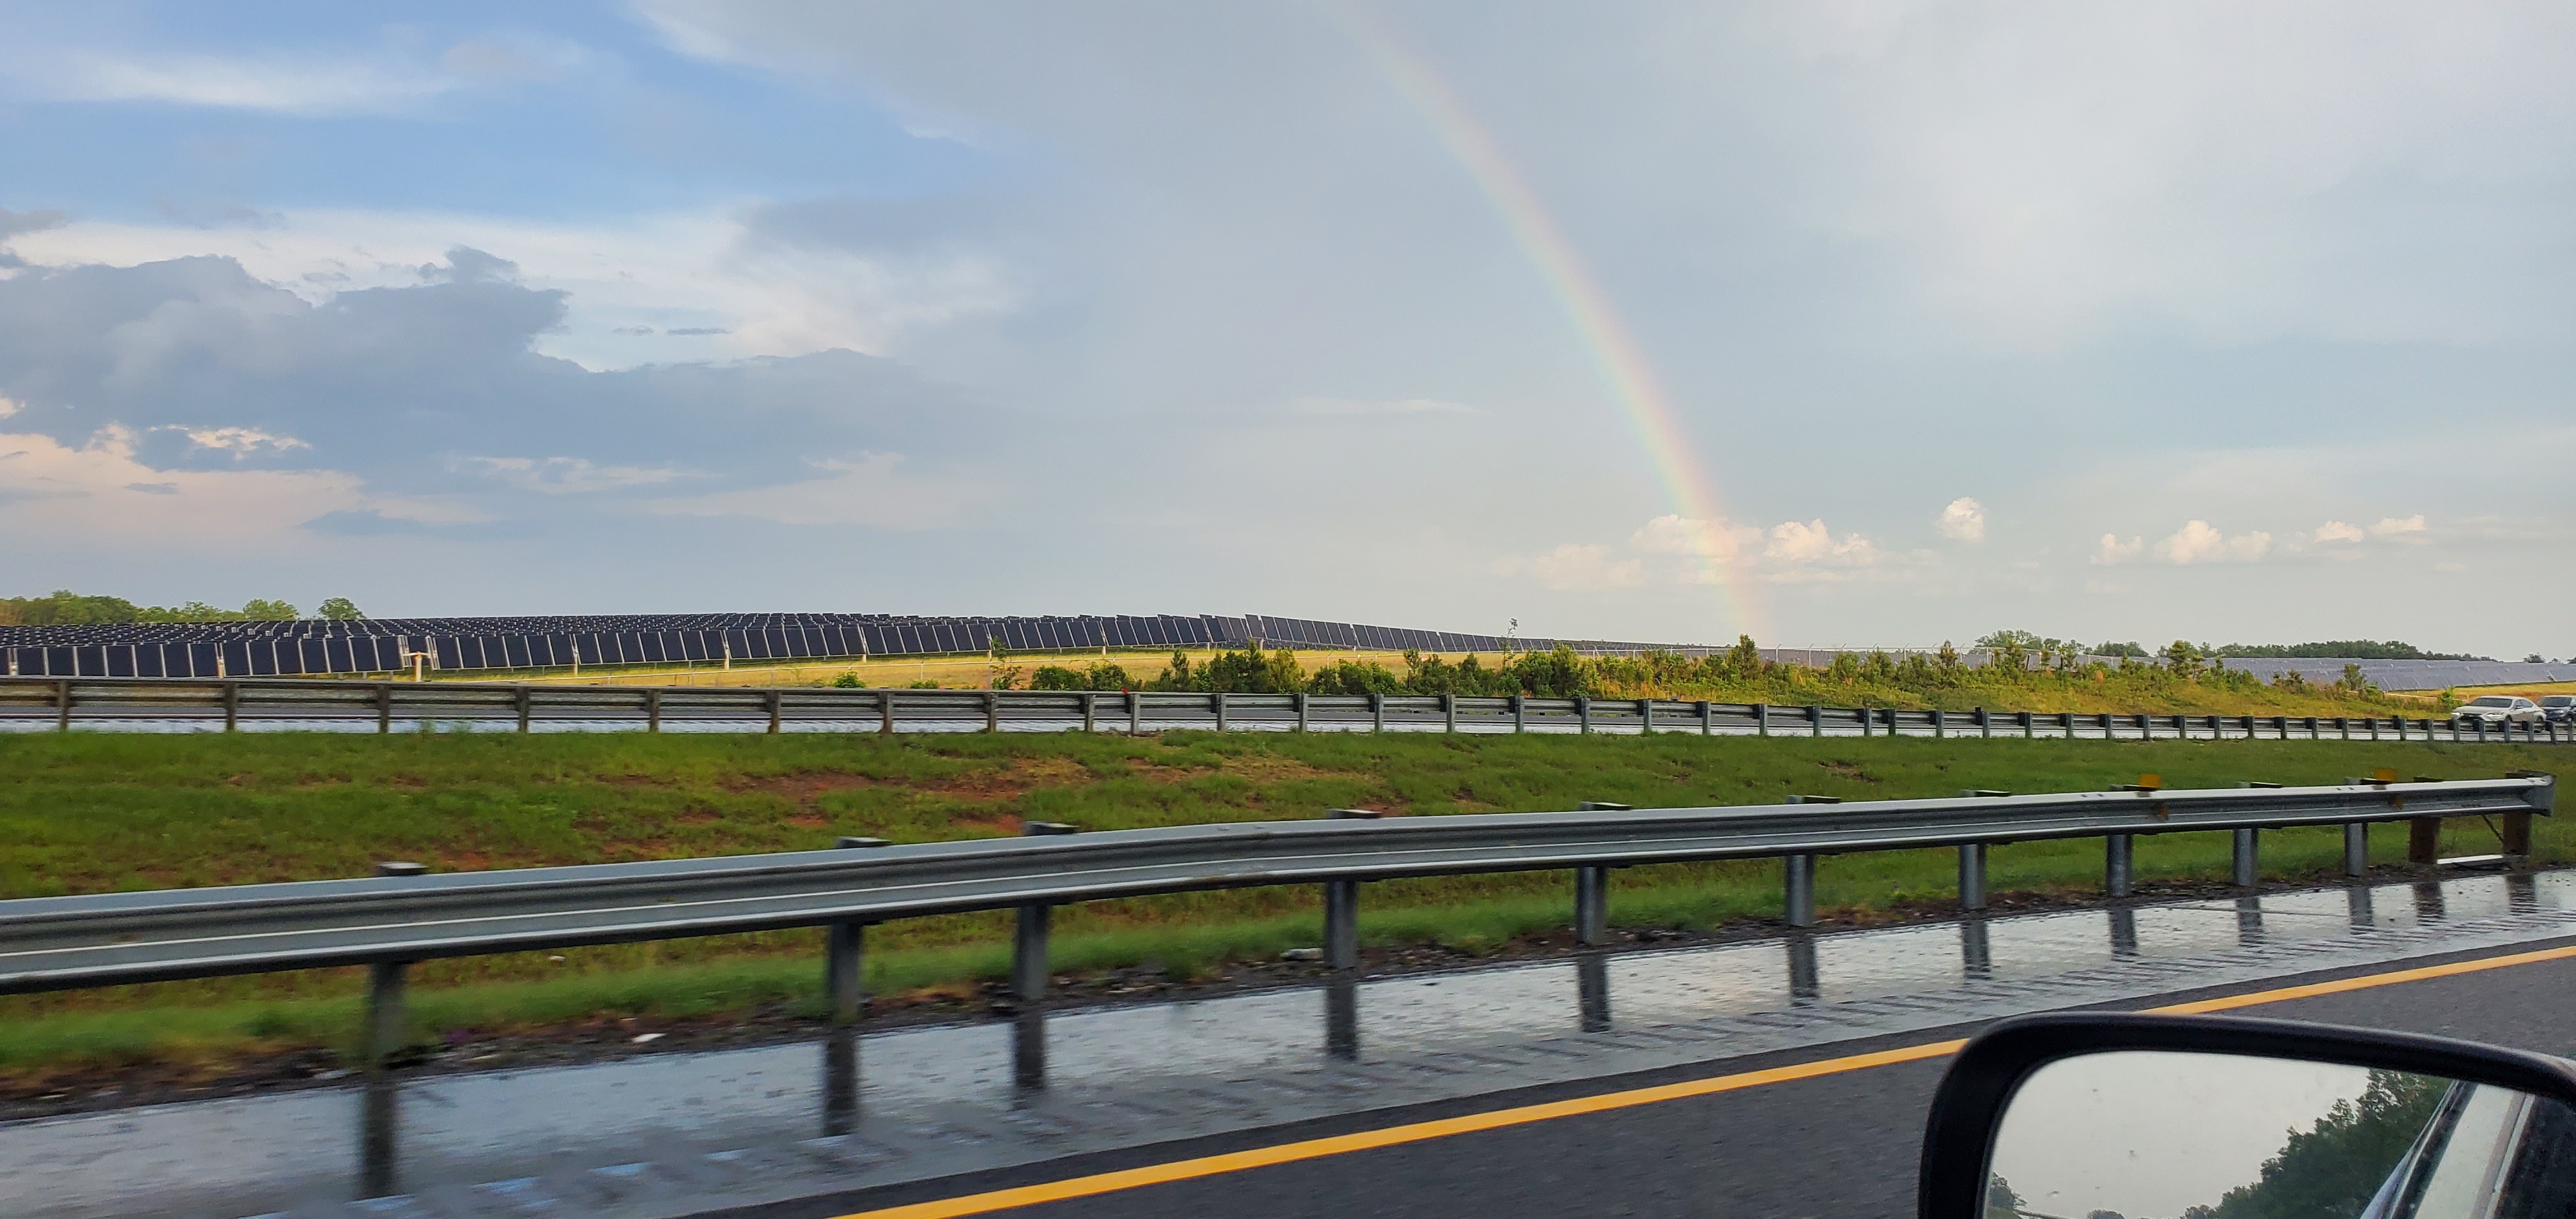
(102,812)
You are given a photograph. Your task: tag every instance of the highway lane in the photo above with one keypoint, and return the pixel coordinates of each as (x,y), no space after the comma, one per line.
(1838,1143)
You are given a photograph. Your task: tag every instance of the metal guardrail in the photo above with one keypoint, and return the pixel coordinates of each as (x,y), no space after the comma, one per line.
(388,921)
(63,703)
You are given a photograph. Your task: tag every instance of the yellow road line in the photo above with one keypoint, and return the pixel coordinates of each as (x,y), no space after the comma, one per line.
(1415,1132)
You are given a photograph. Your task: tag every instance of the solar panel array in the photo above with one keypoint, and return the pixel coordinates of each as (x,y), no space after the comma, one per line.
(386,645)
(2411,674)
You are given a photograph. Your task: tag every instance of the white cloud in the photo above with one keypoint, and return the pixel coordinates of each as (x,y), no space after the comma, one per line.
(1719,540)
(1810,542)
(100,494)
(1964,519)
(1573,568)
(2337,531)
(239,441)
(2391,526)
(2200,542)
(1397,406)
(331,84)
(873,491)
(570,475)
(2111,549)
(8,407)
(641,289)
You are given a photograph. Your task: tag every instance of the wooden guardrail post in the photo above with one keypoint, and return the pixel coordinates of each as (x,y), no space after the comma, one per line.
(1448,713)
(1091,711)
(653,710)
(384,707)
(524,709)
(1216,706)
(63,706)
(1377,712)
(232,706)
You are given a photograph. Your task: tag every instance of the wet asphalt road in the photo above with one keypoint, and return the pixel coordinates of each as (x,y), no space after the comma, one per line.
(1840,1145)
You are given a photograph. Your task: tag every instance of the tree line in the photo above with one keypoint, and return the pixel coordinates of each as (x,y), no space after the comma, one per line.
(67,608)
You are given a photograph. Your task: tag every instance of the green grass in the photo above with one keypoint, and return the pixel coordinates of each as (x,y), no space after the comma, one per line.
(98,812)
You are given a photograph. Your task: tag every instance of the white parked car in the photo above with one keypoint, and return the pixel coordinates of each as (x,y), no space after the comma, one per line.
(2498,709)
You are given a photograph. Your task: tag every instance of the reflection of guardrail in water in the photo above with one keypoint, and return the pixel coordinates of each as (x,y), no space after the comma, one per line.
(69,701)
(403,916)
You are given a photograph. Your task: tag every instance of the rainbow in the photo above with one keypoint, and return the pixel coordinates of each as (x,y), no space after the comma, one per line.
(1615,353)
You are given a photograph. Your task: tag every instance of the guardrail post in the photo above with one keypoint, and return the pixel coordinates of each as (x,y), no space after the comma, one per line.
(1520,713)
(232,706)
(1972,876)
(2107,734)
(1592,905)
(992,711)
(1645,717)
(1815,720)
(1707,719)
(384,708)
(1091,711)
(2401,727)
(1985,723)
(1216,704)
(1377,713)
(1135,713)
(1940,725)
(1448,713)
(2356,848)
(63,706)
(1798,874)
(1761,719)
(1863,714)
(1342,908)
(2515,831)
(1583,713)
(2424,840)
(844,955)
(1301,711)
(2029,729)
(844,951)
(2146,727)
(2066,724)
(2119,864)
(1592,888)
(2313,734)
(387,1023)
(2245,871)
(652,711)
(522,693)
(1029,938)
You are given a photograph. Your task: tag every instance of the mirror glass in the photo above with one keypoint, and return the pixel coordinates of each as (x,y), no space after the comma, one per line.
(2155,1135)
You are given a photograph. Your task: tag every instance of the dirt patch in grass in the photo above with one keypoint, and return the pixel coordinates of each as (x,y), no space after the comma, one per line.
(1847,770)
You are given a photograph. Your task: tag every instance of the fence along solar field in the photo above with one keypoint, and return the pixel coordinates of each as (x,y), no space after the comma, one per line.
(312,647)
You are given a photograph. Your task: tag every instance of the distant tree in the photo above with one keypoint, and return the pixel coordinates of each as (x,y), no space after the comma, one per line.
(2123,650)
(268,611)
(2331,1170)
(340,609)
(2343,649)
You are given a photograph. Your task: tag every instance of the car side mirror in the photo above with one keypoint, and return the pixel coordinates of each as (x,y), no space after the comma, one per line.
(2118,1116)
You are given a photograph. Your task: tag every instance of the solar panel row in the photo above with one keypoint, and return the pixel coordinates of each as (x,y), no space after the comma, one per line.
(382,645)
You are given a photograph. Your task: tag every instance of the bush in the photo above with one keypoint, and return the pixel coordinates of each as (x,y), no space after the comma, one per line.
(846,681)
(1057,677)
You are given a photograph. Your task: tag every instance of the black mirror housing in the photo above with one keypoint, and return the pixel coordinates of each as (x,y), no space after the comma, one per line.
(1968,1108)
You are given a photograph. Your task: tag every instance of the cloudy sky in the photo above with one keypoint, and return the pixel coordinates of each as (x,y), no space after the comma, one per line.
(1834,323)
